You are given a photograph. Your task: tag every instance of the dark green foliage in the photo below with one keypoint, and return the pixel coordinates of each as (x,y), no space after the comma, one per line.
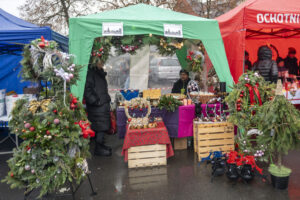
(280,123)
(169,103)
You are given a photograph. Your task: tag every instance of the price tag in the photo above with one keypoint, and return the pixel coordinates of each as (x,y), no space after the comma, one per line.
(112,29)
(173,30)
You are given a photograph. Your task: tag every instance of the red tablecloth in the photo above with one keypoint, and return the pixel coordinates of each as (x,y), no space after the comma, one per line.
(149,136)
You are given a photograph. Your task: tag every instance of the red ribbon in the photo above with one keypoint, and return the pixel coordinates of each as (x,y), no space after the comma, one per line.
(251,92)
(257,93)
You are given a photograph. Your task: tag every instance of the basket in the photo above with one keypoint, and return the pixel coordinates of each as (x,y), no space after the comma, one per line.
(205,98)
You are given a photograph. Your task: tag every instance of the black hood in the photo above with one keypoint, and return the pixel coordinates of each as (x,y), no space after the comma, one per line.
(264,53)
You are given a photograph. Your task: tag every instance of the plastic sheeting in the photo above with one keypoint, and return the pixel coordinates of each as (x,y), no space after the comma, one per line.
(144,19)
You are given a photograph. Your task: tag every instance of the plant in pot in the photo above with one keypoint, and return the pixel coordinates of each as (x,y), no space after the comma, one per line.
(280,125)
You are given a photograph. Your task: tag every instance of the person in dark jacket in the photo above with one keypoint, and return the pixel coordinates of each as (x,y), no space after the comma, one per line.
(180,86)
(98,106)
(248,64)
(291,62)
(266,67)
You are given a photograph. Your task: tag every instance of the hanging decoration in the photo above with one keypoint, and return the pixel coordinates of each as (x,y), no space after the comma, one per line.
(194,62)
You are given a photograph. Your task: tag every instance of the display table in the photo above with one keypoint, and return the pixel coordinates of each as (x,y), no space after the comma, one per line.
(293,99)
(179,123)
(149,136)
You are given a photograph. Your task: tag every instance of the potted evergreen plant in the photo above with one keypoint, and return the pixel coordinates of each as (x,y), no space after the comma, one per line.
(280,127)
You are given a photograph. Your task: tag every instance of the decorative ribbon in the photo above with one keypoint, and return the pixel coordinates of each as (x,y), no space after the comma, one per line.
(253,89)
(85,128)
(34,105)
(65,76)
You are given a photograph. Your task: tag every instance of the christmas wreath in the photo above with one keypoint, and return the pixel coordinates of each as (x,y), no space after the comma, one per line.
(54,128)
(244,105)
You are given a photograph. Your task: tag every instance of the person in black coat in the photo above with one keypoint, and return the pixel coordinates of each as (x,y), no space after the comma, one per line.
(291,62)
(98,106)
(266,67)
(180,86)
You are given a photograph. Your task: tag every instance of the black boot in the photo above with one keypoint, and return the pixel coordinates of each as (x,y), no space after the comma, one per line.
(101,151)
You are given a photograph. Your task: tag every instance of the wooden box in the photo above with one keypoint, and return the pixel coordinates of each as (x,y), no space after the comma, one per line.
(147,156)
(180,143)
(209,137)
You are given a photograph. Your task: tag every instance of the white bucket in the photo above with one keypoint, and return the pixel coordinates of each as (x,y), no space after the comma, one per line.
(2,102)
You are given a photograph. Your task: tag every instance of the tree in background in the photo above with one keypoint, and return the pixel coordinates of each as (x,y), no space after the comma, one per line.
(56,13)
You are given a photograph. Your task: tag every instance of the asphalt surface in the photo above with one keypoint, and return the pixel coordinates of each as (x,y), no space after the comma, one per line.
(182,179)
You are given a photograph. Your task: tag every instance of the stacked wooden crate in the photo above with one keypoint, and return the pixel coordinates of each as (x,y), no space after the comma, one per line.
(210,137)
(147,156)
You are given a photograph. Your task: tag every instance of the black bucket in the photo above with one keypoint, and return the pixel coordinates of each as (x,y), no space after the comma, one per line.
(281,183)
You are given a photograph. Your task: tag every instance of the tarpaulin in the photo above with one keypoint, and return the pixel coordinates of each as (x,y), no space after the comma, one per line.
(259,22)
(144,19)
(14,34)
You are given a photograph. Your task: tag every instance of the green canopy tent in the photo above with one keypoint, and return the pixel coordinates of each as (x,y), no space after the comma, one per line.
(143,19)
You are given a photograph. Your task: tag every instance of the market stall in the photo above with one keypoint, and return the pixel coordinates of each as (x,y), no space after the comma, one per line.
(255,23)
(144,20)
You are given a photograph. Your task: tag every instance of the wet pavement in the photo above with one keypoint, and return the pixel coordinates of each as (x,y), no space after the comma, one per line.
(182,179)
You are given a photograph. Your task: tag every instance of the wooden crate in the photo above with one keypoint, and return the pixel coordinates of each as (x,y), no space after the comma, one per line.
(147,178)
(180,143)
(209,137)
(147,156)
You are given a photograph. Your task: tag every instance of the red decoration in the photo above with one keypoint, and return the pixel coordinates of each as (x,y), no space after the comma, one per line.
(239,100)
(11,174)
(85,128)
(239,109)
(129,119)
(191,53)
(48,132)
(32,129)
(253,89)
(241,95)
(240,159)
(55,111)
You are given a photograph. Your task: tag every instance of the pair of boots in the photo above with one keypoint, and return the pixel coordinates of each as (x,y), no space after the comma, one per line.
(102,150)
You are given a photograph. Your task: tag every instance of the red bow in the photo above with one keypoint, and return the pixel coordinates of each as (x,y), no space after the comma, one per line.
(253,89)
(85,129)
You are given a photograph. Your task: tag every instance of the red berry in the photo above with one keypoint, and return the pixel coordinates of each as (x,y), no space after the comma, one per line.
(55,111)
(242,92)
(32,129)
(241,95)
(239,109)
(239,100)
(129,119)
(48,132)
(11,174)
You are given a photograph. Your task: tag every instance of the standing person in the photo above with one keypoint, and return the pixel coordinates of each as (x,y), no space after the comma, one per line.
(180,86)
(98,106)
(291,62)
(248,64)
(283,72)
(266,67)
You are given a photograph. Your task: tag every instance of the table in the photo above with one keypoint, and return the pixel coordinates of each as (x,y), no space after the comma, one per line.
(149,136)
(179,123)
(293,99)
